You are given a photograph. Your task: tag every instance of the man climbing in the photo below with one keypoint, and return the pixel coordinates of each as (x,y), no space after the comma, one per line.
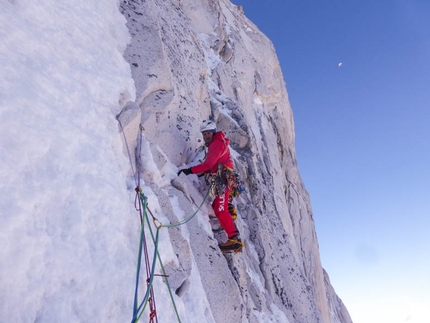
(217,159)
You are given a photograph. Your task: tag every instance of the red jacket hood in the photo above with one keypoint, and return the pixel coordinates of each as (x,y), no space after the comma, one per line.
(220,136)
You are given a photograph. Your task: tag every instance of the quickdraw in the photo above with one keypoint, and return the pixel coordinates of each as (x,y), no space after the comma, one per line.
(235,185)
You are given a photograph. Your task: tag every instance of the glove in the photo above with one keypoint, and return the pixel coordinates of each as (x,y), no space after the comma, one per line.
(186,171)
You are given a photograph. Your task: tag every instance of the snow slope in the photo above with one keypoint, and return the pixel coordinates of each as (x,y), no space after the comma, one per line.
(66,221)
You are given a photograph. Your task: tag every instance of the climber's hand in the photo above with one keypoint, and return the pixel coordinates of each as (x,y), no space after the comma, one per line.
(186,171)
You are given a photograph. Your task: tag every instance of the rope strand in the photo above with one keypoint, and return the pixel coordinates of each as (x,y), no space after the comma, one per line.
(141,205)
(128,152)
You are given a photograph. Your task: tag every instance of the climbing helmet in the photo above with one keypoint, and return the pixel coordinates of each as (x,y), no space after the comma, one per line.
(208,125)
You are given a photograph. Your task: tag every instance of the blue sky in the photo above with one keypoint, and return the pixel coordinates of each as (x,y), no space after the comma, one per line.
(362,140)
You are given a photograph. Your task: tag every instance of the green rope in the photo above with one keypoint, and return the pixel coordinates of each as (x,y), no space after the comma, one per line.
(164,271)
(138,310)
(155,241)
(144,303)
(171,225)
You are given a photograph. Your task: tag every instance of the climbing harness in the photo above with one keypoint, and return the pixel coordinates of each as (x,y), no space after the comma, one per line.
(225,178)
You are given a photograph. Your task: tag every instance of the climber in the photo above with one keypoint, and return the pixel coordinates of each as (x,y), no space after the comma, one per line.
(218,154)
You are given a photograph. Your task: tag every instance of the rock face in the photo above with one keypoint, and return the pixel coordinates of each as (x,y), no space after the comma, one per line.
(193,60)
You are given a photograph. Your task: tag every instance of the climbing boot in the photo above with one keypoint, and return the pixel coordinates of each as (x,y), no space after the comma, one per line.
(232,244)
(232,211)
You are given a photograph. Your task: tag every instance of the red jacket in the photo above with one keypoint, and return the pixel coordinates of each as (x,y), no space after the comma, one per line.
(218,152)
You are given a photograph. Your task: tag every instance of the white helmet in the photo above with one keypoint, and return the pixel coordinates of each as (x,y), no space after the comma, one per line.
(208,125)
